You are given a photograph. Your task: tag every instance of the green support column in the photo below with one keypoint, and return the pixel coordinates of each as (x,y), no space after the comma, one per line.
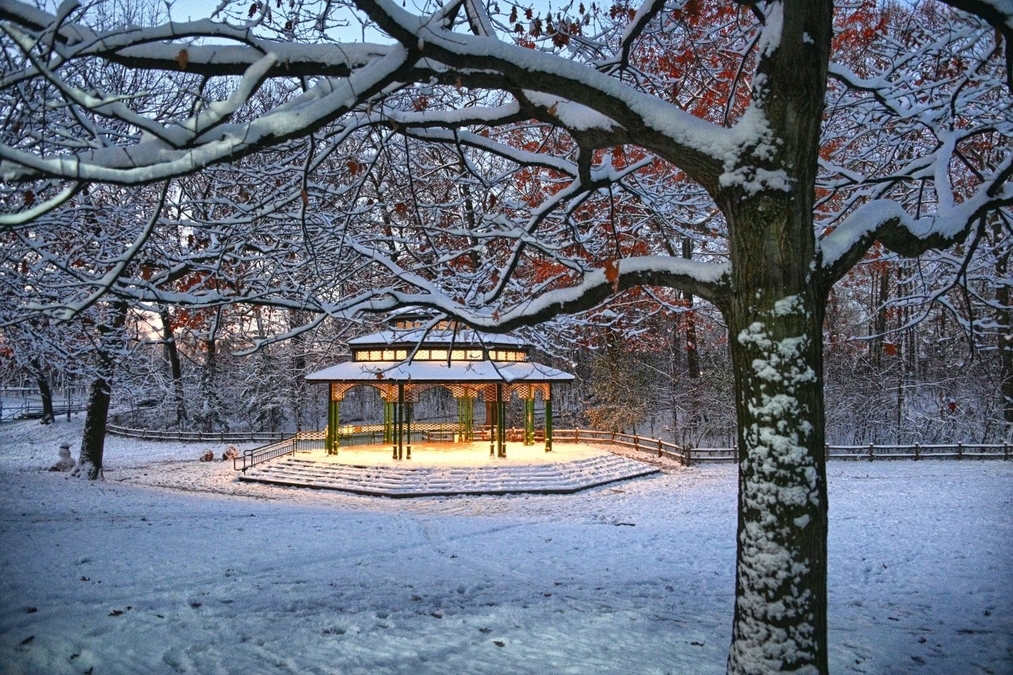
(335,426)
(394,432)
(493,417)
(399,422)
(465,416)
(469,419)
(388,421)
(408,425)
(529,421)
(331,438)
(501,422)
(548,421)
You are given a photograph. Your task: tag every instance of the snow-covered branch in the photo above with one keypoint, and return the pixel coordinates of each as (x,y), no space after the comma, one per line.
(887,222)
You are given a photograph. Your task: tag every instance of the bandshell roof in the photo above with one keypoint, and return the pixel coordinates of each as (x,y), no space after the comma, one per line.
(477,372)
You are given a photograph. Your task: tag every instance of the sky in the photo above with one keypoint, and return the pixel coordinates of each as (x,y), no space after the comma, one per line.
(170,565)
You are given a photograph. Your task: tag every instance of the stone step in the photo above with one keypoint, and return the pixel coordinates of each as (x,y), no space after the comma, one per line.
(405,480)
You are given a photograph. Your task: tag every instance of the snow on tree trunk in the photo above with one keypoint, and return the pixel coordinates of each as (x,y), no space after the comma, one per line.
(780,595)
(89,463)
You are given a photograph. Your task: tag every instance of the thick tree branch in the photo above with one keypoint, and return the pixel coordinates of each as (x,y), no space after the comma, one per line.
(887,222)
(159,47)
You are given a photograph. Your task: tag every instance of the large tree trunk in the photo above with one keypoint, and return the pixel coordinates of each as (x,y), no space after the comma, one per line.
(89,463)
(775,318)
(781,566)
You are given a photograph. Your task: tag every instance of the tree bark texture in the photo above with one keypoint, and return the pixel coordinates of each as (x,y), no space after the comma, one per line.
(89,463)
(775,315)
(45,393)
(781,567)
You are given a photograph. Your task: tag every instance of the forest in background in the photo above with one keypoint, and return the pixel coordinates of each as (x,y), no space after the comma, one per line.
(895,372)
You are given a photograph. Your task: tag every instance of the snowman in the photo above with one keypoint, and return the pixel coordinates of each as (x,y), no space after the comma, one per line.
(66,462)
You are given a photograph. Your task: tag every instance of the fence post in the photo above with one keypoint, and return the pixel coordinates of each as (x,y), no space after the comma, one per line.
(960,451)
(1005,450)
(636,442)
(826,452)
(918,451)
(870,451)
(659,447)
(576,435)
(687,456)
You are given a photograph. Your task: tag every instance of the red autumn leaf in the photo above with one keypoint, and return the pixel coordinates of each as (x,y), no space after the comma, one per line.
(183,58)
(890,348)
(612,273)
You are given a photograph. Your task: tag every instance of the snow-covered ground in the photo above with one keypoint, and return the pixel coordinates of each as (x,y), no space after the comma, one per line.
(170,565)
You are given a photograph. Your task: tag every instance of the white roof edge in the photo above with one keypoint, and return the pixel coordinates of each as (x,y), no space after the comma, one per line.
(477,372)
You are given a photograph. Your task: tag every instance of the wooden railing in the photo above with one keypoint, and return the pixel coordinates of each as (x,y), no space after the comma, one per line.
(871,452)
(198,436)
(655,446)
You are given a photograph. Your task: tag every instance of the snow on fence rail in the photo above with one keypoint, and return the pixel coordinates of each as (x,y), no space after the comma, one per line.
(687,456)
(197,436)
(873,452)
(655,446)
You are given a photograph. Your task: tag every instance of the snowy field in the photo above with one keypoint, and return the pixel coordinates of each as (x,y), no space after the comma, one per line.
(172,566)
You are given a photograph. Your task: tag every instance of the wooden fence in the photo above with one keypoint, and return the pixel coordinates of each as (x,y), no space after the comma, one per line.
(654,446)
(280,443)
(198,436)
(869,453)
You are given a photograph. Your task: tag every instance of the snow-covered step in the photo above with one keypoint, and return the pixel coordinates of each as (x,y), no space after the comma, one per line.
(404,480)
